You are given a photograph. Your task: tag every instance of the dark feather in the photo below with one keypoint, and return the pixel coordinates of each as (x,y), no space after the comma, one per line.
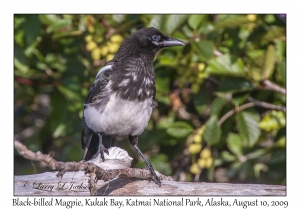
(101,81)
(107,141)
(134,79)
(89,138)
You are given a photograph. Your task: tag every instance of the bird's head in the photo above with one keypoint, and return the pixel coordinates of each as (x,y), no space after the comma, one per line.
(153,38)
(149,40)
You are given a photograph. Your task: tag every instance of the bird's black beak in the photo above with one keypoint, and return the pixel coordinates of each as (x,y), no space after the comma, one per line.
(169,42)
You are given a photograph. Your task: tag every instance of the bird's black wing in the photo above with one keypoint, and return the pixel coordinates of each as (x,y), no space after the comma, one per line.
(101,81)
(89,139)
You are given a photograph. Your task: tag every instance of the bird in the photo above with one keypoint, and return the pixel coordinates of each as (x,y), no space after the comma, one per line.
(121,100)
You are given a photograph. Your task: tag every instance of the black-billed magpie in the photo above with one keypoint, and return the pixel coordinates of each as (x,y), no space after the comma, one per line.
(121,100)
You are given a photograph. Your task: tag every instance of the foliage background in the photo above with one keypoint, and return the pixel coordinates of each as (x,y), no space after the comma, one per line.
(211,123)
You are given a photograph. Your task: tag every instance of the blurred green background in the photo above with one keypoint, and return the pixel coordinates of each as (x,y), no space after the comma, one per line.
(221,98)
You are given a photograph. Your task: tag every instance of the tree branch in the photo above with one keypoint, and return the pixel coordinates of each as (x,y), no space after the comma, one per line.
(96,173)
(236,109)
(252,103)
(267,105)
(268,85)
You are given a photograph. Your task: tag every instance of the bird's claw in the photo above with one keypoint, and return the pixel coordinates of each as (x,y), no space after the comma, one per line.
(100,151)
(105,150)
(153,176)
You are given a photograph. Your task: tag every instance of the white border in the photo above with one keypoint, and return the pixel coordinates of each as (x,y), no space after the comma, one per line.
(151,6)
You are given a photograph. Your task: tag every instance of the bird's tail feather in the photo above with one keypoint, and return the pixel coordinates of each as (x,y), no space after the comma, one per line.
(90,142)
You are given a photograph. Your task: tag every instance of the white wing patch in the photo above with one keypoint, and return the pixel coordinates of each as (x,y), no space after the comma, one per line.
(103,69)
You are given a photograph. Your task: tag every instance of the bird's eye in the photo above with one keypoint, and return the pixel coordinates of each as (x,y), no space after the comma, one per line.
(155,37)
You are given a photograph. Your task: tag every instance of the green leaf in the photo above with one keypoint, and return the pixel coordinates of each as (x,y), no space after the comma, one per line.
(247,123)
(161,163)
(255,53)
(70,152)
(32,48)
(179,129)
(19,37)
(234,85)
(173,22)
(201,100)
(255,64)
(256,34)
(232,22)
(32,28)
(257,153)
(164,123)
(273,121)
(226,65)
(235,144)
(162,90)
(62,23)
(49,19)
(217,105)
(205,48)
(280,50)
(278,156)
(239,98)
(195,20)
(179,35)
(19,54)
(270,59)
(258,167)
(274,33)
(212,132)
(255,73)
(167,60)
(187,31)
(60,130)
(211,172)
(227,156)
(20,66)
(281,133)
(158,22)
(58,116)
(235,168)
(69,94)
(18,20)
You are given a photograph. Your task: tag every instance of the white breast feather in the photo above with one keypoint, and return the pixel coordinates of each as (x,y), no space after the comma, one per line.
(119,117)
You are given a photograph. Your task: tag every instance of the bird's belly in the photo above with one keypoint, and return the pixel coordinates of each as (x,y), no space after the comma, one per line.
(119,117)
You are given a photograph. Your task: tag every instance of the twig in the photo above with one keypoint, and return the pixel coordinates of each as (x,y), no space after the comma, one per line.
(267,105)
(268,85)
(252,103)
(237,109)
(92,184)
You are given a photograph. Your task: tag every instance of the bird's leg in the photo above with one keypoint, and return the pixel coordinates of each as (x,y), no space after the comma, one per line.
(134,141)
(100,148)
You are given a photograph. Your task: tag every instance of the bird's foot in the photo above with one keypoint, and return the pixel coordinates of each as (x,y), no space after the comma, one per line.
(100,151)
(105,150)
(153,176)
